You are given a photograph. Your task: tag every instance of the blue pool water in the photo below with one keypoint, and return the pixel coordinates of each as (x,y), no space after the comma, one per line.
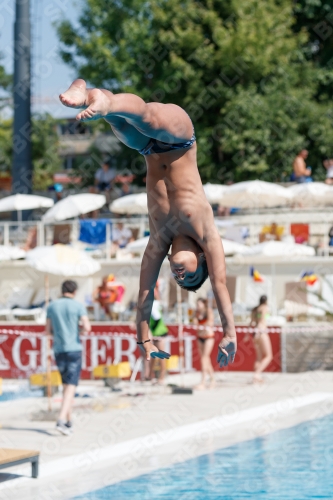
(22,393)
(291,464)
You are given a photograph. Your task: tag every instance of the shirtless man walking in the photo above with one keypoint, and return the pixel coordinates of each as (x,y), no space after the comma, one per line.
(179,214)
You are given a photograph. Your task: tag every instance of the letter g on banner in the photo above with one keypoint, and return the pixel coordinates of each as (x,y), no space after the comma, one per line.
(32,355)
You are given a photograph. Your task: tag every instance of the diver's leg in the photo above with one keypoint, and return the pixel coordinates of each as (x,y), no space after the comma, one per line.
(165,122)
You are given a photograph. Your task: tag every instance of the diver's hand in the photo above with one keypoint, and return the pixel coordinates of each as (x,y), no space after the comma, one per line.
(227,351)
(149,350)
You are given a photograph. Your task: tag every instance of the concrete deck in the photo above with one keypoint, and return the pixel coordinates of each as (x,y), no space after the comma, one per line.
(119,435)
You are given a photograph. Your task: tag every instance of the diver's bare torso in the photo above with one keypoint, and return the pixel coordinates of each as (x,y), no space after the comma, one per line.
(176,199)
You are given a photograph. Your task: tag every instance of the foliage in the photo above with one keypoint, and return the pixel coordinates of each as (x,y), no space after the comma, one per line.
(244,70)
(5,84)
(45,144)
(6,148)
(45,149)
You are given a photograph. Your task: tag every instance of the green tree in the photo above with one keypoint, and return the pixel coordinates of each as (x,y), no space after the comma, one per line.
(45,142)
(45,149)
(5,146)
(5,85)
(241,69)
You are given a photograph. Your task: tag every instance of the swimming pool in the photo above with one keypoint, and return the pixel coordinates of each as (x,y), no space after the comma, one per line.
(20,393)
(290,464)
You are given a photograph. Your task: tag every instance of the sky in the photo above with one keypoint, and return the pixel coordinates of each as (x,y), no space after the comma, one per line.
(50,76)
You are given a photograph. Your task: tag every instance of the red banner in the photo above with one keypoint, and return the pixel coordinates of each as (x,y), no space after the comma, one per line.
(23,349)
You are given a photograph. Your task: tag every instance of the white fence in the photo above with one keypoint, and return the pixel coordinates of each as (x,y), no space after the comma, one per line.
(319,221)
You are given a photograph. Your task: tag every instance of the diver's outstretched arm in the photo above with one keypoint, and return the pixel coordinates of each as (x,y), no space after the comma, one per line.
(150,268)
(215,259)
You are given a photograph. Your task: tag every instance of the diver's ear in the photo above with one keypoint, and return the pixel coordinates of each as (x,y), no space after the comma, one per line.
(168,257)
(202,256)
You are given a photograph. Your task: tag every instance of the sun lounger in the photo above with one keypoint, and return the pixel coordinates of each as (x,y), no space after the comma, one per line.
(7,314)
(35,313)
(10,457)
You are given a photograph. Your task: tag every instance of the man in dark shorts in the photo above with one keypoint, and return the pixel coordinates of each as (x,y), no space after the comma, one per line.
(66,319)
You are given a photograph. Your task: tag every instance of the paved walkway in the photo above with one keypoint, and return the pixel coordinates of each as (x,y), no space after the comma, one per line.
(119,435)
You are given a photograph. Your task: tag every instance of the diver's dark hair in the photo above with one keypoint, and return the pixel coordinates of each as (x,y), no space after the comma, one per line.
(198,285)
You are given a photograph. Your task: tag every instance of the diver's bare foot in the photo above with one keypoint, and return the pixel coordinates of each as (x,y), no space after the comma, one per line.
(95,101)
(76,95)
(98,106)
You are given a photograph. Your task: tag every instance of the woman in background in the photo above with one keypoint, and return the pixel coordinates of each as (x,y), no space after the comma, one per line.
(204,321)
(262,343)
(105,296)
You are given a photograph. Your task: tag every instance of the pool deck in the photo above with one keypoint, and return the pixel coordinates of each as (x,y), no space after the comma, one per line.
(120,435)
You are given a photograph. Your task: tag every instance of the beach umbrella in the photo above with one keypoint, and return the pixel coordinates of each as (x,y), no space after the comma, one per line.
(130,204)
(137,246)
(19,202)
(255,194)
(312,194)
(230,247)
(62,260)
(8,252)
(73,206)
(280,249)
(214,192)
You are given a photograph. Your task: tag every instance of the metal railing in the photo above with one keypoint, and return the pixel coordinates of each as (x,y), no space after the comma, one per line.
(320,222)
(26,234)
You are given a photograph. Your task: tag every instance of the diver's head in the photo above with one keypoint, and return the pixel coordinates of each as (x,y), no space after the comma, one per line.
(188,263)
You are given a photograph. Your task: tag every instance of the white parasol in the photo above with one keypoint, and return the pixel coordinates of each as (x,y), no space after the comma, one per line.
(230,247)
(62,260)
(214,192)
(280,249)
(73,206)
(137,246)
(312,194)
(19,202)
(255,194)
(130,204)
(8,252)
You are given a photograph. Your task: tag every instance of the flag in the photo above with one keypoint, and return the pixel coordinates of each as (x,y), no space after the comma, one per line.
(256,276)
(309,277)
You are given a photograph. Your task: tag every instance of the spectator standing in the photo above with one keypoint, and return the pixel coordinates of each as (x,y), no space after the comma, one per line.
(104,179)
(66,319)
(204,322)
(301,172)
(105,296)
(328,164)
(262,342)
